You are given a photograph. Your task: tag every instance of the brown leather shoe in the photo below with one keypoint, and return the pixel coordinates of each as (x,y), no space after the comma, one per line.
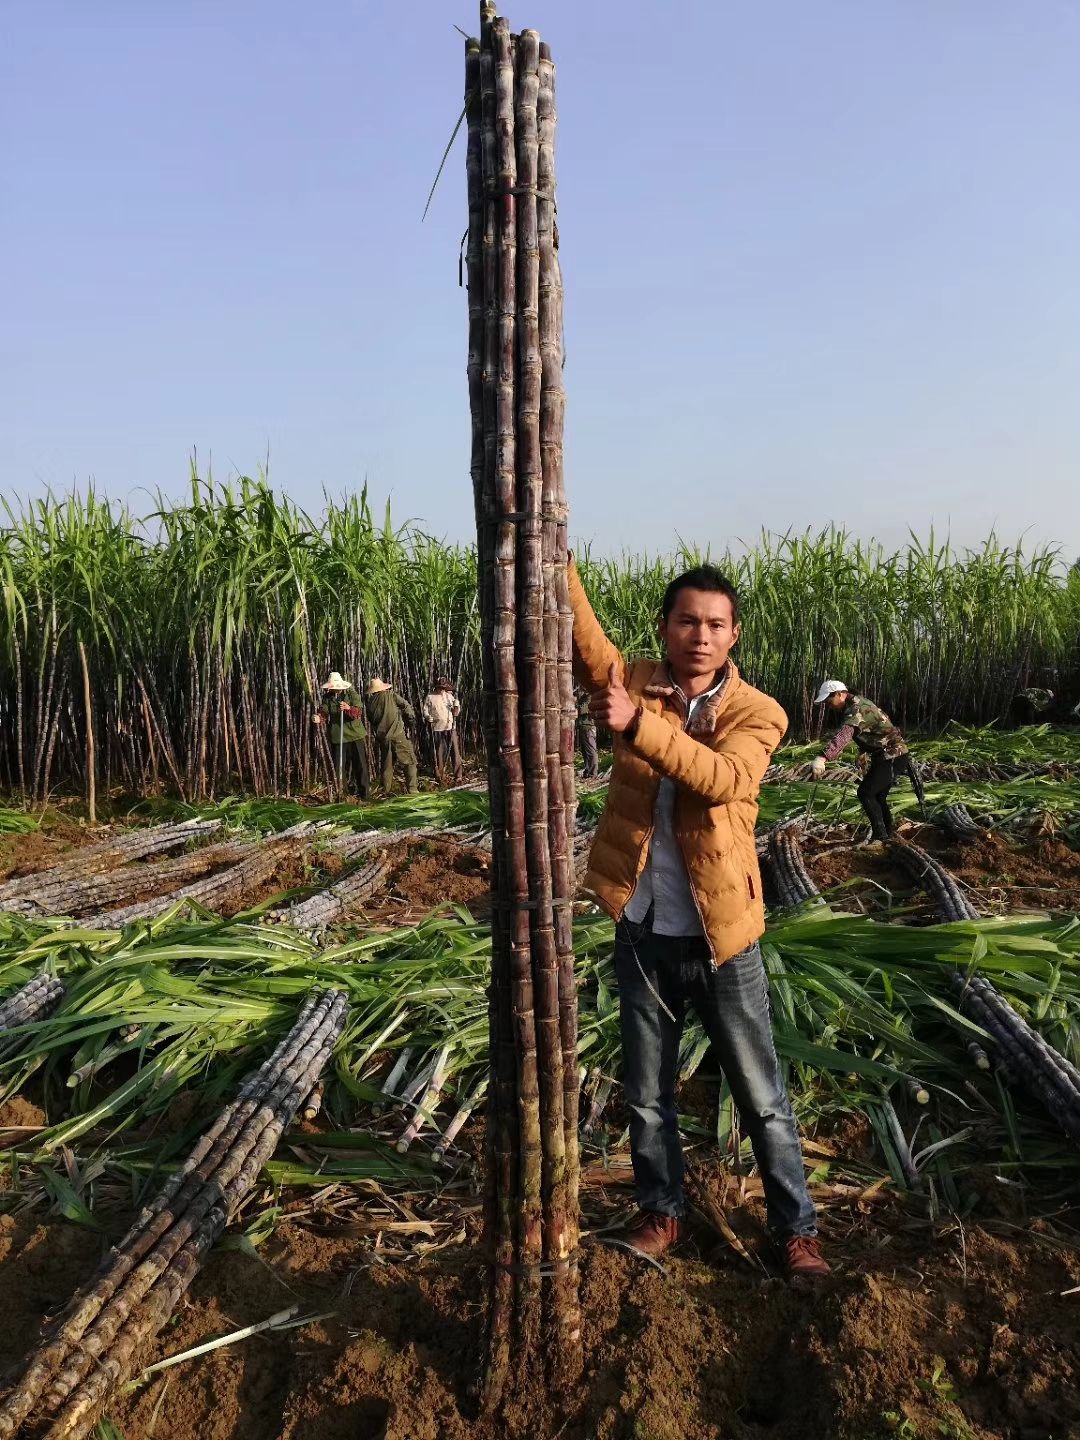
(651,1235)
(804,1263)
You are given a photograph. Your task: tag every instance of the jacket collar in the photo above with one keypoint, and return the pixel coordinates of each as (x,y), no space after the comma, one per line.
(703,721)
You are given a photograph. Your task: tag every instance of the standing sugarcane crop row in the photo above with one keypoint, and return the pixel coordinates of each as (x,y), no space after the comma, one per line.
(516,400)
(94,1345)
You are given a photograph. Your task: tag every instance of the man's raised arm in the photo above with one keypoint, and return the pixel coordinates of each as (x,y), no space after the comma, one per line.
(594,654)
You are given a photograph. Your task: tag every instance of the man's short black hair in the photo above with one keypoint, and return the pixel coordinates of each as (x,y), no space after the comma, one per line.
(701,577)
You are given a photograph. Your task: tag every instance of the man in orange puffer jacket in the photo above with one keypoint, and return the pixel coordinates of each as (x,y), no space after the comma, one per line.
(675,865)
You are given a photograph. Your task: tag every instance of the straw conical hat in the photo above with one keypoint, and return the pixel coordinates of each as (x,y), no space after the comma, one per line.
(375,685)
(336,682)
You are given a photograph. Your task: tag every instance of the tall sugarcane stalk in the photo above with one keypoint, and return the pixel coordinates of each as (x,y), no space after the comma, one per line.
(515,390)
(94,1345)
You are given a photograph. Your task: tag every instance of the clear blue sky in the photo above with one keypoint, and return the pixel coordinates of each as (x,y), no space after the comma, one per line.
(821,259)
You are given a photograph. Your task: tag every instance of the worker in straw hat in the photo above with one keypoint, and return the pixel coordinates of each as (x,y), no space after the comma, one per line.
(343,710)
(441,709)
(387,712)
(865,723)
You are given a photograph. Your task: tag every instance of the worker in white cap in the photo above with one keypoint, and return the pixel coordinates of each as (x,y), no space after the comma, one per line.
(865,723)
(343,709)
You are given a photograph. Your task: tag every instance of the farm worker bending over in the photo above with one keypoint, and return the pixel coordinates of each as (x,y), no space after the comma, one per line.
(441,709)
(348,738)
(876,736)
(1031,703)
(674,864)
(386,713)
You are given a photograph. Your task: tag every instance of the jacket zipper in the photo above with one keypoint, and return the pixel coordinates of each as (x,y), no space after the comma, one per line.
(643,851)
(686,867)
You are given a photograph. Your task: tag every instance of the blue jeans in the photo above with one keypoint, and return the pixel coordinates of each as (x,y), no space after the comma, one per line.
(732,1003)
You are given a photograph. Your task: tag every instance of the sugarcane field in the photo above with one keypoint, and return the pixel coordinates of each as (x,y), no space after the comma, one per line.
(499,975)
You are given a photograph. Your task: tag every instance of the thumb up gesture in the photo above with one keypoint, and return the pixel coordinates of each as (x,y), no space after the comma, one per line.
(612,706)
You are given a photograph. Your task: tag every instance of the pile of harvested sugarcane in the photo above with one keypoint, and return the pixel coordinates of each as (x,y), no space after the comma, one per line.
(958,822)
(101,893)
(37,999)
(95,1344)
(516,398)
(228,886)
(951,902)
(787,869)
(322,909)
(48,888)
(1024,1054)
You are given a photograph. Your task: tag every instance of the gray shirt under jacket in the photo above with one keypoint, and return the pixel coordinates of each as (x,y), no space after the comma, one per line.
(664,883)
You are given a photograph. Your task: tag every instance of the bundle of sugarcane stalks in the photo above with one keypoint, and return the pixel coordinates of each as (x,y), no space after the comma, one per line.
(227,887)
(942,887)
(98,893)
(37,999)
(787,869)
(517,402)
(95,1344)
(99,859)
(958,822)
(1049,1076)
(318,911)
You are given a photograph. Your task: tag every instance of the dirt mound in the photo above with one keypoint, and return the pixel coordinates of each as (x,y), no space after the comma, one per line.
(853,878)
(955,1332)
(39,849)
(1042,876)
(17,1113)
(430,871)
(1000,874)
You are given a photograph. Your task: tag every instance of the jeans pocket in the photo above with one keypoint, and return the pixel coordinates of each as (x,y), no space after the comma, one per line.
(631,932)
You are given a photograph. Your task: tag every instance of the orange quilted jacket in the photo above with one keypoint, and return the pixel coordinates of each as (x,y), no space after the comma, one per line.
(718,767)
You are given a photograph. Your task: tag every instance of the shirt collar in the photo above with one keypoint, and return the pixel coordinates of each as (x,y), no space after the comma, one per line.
(721,681)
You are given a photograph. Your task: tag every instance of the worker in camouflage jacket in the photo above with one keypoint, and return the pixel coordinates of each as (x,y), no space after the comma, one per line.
(387,712)
(1031,705)
(865,723)
(343,711)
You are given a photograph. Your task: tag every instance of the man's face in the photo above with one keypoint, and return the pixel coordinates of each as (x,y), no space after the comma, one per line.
(839,700)
(699,632)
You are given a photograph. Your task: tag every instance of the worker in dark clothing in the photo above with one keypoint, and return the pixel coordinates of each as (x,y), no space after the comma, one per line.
(343,711)
(876,737)
(586,735)
(387,712)
(1030,706)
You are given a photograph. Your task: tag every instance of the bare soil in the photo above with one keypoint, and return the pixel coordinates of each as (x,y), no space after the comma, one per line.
(39,849)
(427,872)
(966,1333)
(1000,874)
